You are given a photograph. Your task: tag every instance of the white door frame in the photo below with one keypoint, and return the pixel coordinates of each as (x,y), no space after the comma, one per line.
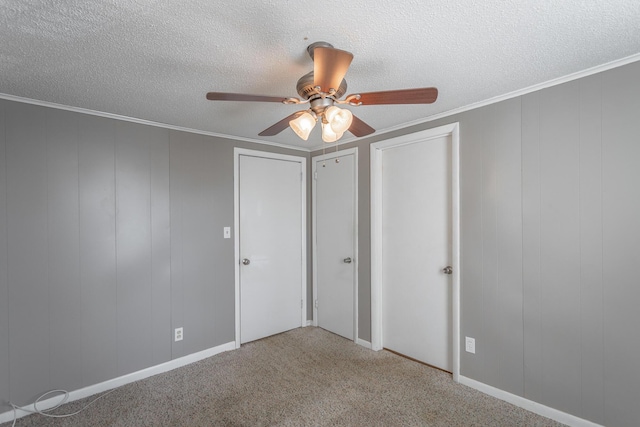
(314,160)
(377,149)
(237,152)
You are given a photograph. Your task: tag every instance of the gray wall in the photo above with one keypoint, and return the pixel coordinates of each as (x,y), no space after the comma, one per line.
(110,237)
(550,230)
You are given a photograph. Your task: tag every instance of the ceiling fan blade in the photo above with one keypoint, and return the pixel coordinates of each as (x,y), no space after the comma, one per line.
(329,67)
(224,96)
(359,128)
(426,95)
(280,126)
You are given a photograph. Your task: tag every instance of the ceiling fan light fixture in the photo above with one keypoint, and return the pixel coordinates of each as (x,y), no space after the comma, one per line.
(339,119)
(328,134)
(303,125)
(321,88)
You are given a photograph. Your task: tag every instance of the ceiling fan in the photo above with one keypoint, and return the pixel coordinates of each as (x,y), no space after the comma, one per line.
(322,88)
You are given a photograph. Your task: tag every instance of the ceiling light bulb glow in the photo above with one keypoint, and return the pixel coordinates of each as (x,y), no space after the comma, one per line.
(340,119)
(328,134)
(303,124)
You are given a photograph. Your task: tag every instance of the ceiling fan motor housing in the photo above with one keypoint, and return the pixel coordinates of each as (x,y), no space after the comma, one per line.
(306,88)
(319,104)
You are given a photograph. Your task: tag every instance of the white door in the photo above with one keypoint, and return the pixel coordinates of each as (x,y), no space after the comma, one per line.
(416,246)
(271,245)
(334,236)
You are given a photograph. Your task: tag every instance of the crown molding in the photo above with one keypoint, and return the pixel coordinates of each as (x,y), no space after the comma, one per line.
(520,92)
(143,122)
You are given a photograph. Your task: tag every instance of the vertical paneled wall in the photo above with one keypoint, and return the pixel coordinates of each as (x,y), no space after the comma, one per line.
(160,275)
(195,259)
(505,317)
(550,200)
(550,244)
(97,228)
(591,256)
(142,298)
(110,237)
(4,260)
(621,243)
(65,323)
(491,244)
(552,181)
(27,247)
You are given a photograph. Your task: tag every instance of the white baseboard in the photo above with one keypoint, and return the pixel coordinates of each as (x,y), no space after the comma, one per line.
(363,343)
(120,381)
(529,405)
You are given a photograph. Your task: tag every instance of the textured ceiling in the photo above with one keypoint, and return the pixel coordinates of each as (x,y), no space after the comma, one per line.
(155,60)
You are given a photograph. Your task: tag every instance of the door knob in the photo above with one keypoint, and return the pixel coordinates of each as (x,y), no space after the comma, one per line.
(447,270)
(347,260)
(245,261)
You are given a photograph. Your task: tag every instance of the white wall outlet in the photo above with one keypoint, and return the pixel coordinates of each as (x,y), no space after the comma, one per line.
(178,334)
(227,232)
(470,345)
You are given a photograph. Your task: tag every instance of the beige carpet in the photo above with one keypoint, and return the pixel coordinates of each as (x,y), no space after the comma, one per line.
(304,377)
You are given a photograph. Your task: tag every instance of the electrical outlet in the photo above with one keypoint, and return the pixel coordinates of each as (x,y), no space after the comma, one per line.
(470,345)
(178,334)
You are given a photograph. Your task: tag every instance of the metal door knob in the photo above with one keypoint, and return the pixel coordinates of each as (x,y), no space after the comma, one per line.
(347,260)
(245,261)
(447,270)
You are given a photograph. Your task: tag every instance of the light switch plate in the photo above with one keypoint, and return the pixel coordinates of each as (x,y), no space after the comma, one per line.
(227,232)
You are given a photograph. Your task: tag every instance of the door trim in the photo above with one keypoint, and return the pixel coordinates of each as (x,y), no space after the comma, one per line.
(315,160)
(377,149)
(237,152)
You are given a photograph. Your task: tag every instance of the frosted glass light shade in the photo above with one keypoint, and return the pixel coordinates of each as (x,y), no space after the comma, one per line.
(302,125)
(328,135)
(340,119)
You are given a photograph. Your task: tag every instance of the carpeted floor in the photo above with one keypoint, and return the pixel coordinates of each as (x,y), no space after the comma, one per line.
(304,377)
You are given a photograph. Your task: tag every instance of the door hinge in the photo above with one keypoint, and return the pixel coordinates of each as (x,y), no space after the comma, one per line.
(316,303)
(315,175)
(301,303)
(301,177)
